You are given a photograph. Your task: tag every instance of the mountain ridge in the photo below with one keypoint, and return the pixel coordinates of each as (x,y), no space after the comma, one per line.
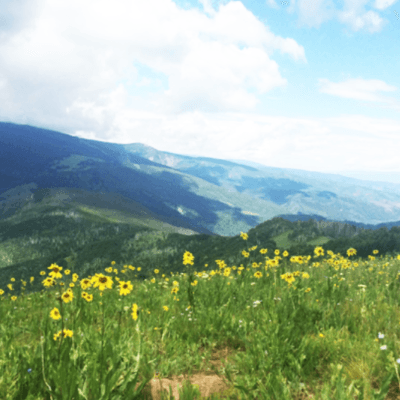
(216,196)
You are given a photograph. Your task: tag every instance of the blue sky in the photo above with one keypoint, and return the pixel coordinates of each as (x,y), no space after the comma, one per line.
(310,85)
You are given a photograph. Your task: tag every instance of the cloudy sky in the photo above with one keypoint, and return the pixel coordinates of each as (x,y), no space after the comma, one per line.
(303,84)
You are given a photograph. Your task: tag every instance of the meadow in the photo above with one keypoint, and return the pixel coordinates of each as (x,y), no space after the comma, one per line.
(293,327)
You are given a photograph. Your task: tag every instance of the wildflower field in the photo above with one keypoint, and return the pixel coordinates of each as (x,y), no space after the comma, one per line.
(293,328)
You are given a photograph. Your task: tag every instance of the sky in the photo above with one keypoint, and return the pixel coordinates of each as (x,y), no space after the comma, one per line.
(300,84)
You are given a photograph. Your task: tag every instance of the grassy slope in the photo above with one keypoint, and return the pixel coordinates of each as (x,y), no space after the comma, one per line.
(90,238)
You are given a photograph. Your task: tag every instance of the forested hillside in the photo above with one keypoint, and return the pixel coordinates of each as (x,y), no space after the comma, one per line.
(87,245)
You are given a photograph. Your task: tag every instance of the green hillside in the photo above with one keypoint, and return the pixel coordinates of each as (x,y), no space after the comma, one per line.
(87,239)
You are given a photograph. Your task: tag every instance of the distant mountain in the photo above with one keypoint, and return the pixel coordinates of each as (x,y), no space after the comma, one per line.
(288,187)
(192,194)
(370,176)
(375,176)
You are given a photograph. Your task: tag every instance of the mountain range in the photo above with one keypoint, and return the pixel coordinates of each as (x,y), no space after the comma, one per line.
(191,194)
(65,199)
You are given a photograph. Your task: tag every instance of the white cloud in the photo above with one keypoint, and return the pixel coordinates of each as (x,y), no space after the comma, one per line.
(314,13)
(369,20)
(74,53)
(273,4)
(383,4)
(360,89)
(18,15)
(207,6)
(353,15)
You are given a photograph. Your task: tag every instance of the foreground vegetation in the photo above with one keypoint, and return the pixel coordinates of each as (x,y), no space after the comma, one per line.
(294,329)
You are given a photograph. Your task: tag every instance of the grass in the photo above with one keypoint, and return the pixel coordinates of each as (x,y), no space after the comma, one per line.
(288,329)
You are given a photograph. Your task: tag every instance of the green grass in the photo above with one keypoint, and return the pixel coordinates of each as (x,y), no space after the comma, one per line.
(292,328)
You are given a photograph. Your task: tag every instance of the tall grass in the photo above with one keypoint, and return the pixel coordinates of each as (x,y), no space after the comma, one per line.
(293,329)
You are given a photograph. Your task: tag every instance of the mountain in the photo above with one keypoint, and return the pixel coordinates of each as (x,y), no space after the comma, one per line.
(371,176)
(199,194)
(84,203)
(37,163)
(370,204)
